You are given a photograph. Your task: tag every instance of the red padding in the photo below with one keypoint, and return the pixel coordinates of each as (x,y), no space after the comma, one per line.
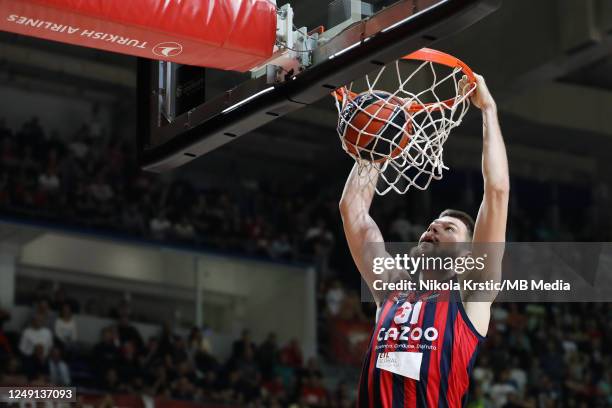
(225,34)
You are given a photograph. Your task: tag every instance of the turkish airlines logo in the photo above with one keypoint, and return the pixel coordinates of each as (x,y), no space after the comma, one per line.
(167,49)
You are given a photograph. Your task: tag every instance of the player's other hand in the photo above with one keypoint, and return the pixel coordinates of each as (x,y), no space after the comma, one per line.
(481,97)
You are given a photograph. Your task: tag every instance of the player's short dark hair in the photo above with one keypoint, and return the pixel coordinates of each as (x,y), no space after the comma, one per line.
(462,216)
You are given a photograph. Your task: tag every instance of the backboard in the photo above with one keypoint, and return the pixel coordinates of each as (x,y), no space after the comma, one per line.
(186,112)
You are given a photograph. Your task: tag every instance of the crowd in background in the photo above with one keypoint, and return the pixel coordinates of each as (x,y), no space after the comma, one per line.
(48,351)
(90,180)
(546,355)
(535,355)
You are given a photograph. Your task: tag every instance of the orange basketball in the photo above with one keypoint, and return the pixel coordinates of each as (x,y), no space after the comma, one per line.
(374,126)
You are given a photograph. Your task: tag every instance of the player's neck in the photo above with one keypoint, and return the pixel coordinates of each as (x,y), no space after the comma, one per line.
(437,275)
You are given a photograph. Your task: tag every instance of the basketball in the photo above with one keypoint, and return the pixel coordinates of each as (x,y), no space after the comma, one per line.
(374,126)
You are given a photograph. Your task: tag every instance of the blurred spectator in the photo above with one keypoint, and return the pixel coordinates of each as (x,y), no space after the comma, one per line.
(267,356)
(334,298)
(37,365)
(65,327)
(199,341)
(4,130)
(12,373)
(402,230)
(351,308)
(4,188)
(547,394)
(43,291)
(7,153)
(6,350)
(59,373)
(49,181)
(105,353)
(159,380)
(180,352)
(516,318)
(166,340)
(274,388)
(204,358)
(43,309)
(151,352)
(285,371)
(128,367)
(342,396)
(478,399)
(36,335)
(111,382)
(313,393)
(292,354)
(133,220)
(499,317)
(232,387)
(160,225)
(127,332)
(100,190)
(604,387)
(79,148)
(250,376)
(60,299)
(319,239)
(312,369)
(503,388)
(248,366)
(240,347)
(281,248)
(184,230)
(552,365)
(183,389)
(483,374)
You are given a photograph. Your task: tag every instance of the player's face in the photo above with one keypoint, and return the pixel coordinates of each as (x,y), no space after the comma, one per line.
(444,230)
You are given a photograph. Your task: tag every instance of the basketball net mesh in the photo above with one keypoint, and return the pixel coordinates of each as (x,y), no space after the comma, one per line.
(420,161)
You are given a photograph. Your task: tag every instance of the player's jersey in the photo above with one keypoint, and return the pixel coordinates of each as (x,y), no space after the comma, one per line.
(421,353)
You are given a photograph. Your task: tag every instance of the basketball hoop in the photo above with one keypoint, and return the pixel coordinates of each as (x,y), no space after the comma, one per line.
(408,152)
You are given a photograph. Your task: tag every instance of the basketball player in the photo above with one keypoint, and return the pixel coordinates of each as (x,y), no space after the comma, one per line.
(423,348)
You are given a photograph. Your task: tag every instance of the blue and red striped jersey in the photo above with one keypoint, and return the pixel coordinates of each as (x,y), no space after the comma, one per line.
(421,353)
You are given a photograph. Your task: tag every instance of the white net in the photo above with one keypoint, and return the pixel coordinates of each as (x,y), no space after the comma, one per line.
(402,134)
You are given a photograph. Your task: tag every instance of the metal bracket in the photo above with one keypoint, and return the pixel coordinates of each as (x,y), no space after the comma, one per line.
(293,49)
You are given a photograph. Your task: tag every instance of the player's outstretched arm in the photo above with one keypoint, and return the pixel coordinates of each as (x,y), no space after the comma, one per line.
(491,221)
(490,227)
(490,224)
(363,236)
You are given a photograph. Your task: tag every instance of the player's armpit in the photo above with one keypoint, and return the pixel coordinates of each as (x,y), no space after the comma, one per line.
(479,314)
(477,301)
(490,254)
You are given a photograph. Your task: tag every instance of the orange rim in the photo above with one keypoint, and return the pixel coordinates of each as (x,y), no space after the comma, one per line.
(424,54)
(442,58)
